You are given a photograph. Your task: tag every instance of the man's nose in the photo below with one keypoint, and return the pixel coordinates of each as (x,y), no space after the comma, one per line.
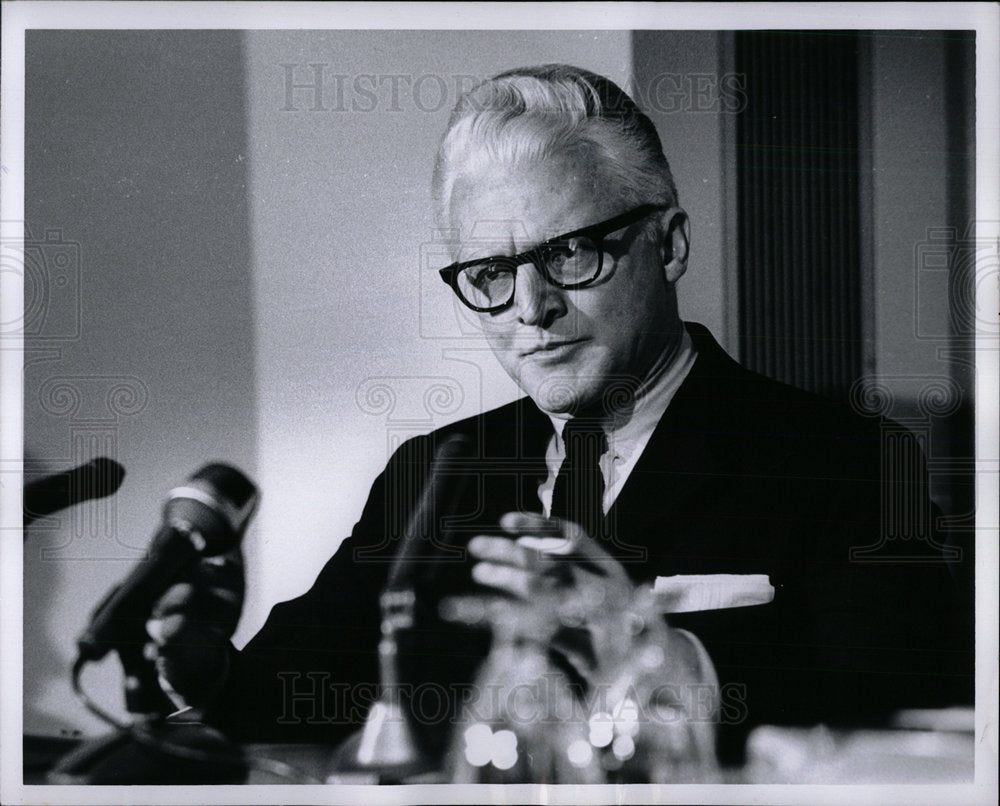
(537,302)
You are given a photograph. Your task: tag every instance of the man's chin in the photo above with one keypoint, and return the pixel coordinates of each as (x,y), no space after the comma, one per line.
(560,397)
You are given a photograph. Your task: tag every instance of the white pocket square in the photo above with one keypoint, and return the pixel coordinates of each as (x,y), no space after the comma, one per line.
(686,593)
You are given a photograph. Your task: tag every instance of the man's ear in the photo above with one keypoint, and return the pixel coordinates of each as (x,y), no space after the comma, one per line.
(676,243)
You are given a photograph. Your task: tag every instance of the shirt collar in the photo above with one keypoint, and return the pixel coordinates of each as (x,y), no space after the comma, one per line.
(634,423)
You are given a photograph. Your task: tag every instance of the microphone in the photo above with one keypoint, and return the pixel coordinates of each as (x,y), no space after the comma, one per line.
(422,537)
(97,478)
(205,516)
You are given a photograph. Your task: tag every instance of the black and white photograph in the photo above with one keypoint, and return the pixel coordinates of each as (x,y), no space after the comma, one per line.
(499,403)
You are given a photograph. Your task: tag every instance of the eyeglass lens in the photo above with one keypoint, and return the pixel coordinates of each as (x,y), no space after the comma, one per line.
(566,263)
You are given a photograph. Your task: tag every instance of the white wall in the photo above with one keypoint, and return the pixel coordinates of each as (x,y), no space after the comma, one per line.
(910,155)
(688,89)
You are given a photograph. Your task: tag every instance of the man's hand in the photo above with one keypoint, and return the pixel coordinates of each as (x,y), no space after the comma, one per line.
(564,588)
(190,629)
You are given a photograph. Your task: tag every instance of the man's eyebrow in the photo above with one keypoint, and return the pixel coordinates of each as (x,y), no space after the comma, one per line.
(467,249)
(511,253)
(477,250)
(556,236)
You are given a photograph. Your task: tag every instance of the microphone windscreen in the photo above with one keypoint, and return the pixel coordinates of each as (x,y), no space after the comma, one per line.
(108,476)
(230,482)
(216,502)
(97,478)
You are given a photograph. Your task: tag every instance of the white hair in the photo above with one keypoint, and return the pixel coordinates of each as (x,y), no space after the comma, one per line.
(530,114)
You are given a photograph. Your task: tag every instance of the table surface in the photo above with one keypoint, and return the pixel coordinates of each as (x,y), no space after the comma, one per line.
(816,755)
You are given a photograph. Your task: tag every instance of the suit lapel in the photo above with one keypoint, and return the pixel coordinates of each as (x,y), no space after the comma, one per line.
(510,463)
(687,451)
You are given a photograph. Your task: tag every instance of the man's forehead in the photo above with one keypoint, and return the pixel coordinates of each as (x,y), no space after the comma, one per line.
(517,207)
(501,231)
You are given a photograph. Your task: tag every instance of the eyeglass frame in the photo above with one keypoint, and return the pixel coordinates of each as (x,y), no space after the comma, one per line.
(596,232)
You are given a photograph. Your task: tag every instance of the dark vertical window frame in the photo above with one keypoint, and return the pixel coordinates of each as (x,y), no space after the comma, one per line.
(798,221)
(955,435)
(866,205)
(960,71)
(730,197)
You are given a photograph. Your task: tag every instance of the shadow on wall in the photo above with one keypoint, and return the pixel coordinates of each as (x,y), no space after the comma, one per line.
(45,668)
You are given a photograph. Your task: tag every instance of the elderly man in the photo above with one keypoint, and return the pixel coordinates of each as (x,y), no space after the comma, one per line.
(641,451)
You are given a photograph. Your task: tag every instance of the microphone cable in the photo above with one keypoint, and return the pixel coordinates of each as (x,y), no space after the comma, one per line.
(138,731)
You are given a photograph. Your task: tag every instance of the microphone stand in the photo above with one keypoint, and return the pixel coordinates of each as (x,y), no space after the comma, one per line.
(152,749)
(386,750)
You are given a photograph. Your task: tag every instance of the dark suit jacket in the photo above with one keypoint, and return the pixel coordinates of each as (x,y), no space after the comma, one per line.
(743,475)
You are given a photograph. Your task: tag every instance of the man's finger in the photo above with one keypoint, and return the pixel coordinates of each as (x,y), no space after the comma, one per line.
(216,603)
(172,628)
(178,630)
(546,546)
(541,535)
(531,523)
(553,535)
(515,581)
(470,610)
(560,538)
(178,598)
(504,614)
(223,575)
(499,550)
(479,609)
(588,552)
(154,628)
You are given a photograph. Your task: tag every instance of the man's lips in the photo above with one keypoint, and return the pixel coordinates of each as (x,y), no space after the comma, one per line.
(551,348)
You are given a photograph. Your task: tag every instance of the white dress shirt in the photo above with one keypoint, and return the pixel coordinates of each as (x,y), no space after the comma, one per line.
(628,432)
